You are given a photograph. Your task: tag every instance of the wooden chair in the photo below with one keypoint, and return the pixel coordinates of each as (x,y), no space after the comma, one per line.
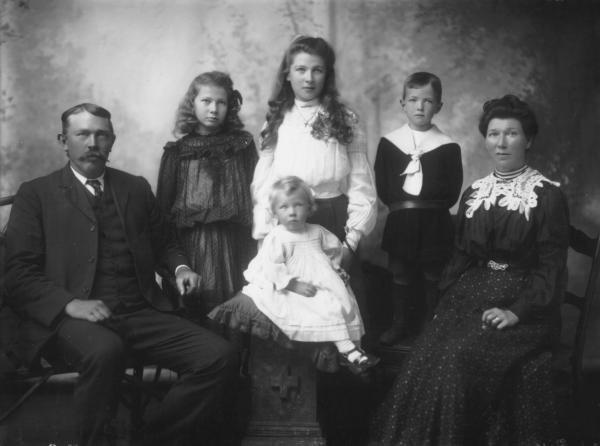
(568,386)
(586,353)
(139,381)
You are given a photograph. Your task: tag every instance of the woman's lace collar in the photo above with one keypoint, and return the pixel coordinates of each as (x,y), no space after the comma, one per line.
(511,192)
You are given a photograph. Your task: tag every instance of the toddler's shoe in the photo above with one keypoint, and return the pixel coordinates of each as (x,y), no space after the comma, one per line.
(360,364)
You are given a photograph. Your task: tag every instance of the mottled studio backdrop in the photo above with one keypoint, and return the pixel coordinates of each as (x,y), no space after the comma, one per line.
(137,57)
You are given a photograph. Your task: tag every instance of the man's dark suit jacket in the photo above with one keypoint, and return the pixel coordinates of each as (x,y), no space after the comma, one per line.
(52,248)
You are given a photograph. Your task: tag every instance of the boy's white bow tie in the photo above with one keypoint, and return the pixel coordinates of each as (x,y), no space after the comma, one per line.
(414,174)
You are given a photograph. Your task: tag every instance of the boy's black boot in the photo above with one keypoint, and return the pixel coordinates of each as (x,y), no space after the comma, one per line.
(399,328)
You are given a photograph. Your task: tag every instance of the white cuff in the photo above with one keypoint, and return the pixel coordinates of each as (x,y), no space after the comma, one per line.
(181,266)
(353,237)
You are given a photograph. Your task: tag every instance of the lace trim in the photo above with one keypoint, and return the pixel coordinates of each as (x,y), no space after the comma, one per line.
(218,146)
(513,194)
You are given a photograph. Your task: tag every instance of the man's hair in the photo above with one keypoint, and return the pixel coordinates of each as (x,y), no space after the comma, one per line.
(92,109)
(421,79)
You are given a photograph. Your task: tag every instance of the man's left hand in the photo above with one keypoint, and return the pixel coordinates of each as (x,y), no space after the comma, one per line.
(187,280)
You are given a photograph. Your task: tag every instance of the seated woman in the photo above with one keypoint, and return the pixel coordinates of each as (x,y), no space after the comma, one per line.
(502,289)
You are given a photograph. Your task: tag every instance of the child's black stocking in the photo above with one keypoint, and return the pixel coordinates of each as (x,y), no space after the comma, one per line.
(400,304)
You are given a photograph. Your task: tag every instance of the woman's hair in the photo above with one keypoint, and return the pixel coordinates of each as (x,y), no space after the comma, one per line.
(185,117)
(420,80)
(507,107)
(290,185)
(336,122)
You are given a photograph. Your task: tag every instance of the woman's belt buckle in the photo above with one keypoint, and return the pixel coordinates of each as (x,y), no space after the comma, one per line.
(497,266)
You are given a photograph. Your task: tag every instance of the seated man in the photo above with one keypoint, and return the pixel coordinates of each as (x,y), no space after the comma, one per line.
(83,246)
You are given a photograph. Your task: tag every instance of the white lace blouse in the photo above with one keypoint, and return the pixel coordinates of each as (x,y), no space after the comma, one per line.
(328,167)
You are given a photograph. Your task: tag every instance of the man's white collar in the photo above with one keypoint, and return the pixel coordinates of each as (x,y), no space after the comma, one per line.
(83,179)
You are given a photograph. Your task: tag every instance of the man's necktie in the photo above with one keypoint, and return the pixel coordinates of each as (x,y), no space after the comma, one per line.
(97,187)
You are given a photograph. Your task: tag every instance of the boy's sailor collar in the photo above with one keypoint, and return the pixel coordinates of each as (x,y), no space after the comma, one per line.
(404,140)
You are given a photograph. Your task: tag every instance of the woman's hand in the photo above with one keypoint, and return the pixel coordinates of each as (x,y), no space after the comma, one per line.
(498,318)
(304,288)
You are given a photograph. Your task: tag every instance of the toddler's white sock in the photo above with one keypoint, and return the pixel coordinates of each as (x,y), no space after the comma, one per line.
(346,346)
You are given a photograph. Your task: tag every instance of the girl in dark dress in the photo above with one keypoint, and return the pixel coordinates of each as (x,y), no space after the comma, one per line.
(418,172)
(204,186)
(500,307)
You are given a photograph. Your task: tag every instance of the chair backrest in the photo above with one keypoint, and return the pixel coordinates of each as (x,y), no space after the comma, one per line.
(587,348)
(8,320)
(4,201)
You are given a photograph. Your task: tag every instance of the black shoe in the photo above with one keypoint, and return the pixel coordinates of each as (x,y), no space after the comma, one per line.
(361,364)
(393,335)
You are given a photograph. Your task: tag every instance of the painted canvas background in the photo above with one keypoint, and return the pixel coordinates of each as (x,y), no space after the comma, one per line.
(137,57)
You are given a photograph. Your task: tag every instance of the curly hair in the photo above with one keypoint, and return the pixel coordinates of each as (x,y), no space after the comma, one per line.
(186,120)
(509,106)
(336,121)
(288,186)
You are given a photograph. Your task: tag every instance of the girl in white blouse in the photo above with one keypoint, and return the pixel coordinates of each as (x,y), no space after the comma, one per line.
(311,135)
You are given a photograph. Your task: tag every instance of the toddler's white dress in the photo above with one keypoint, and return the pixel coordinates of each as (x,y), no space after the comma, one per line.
(312,256)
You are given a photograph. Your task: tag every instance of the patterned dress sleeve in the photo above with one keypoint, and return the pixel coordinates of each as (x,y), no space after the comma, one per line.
(166,188)
(250,158)
(362,197)
(268,269)
(460,259)
(248,164)
(547,279)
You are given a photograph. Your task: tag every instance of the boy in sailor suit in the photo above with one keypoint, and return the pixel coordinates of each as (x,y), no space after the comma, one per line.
(418,172)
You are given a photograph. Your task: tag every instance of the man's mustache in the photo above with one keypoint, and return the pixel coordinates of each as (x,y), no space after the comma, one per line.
(98,155)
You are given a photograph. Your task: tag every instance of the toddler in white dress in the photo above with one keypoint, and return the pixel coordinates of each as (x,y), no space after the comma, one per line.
(297,282)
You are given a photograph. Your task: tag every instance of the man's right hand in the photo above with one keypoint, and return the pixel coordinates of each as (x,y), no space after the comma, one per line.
(89,310)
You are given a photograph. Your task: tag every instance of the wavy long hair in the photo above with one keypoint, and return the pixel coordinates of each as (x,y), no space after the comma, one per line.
(186,120)
(336,121)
